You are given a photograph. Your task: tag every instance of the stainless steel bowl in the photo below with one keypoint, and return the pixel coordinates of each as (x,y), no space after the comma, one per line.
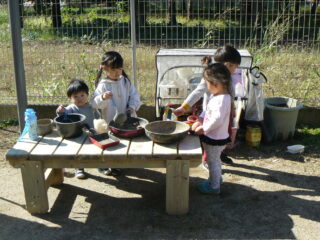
(166,131)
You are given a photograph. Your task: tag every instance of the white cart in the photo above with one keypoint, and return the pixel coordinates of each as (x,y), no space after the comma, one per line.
(180,71)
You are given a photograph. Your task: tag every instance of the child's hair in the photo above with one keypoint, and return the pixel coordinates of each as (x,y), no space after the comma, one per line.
(222,55)
(207,60)
(218,72)
(227,53)
(111,59)
(77,85)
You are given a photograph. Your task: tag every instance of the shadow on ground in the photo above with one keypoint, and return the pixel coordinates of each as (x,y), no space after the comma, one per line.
(240,212)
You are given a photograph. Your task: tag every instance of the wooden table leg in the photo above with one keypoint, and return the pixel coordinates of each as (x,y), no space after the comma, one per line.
(177,187)
(53,176)
(34,187)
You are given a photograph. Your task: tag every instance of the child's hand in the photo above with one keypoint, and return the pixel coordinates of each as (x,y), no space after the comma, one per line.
(130,111)
(106,95)
(199,130)
(196,125)
(179,111)
(61,109)
(233,113)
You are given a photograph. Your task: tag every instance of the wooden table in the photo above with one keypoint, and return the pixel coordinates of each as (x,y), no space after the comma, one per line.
(42,161)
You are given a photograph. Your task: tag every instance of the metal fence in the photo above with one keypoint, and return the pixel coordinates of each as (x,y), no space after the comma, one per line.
(66,39)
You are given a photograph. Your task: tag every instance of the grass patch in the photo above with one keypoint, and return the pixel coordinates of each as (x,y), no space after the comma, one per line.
(308,136)
(291,72)
(50,65)
(52,57)
(9,122)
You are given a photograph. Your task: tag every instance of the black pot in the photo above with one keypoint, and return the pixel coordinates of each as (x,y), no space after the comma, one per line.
(70,125)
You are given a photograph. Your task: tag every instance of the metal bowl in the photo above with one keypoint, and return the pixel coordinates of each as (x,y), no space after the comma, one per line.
(71,128)
(166,131)
(44,126)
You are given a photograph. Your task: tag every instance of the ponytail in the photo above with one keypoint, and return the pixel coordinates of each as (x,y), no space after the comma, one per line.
(207,60)
(125,75)
(98,77)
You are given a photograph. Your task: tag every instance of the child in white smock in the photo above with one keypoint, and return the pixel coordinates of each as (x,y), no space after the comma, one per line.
(213,130)
(115,93)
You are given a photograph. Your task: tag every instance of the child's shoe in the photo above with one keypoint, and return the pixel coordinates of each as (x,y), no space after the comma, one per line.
(205,187)
(205,166)
(115,171)
(110,171)
(80,173)
(104,171)
(226,160)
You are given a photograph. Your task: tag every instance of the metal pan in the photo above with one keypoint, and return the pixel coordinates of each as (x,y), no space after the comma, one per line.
(104,140)
(130,128)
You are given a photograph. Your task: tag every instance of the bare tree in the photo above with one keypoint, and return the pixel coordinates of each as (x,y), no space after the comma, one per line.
(56,14)
(172,12)
(189,9)
(314,7)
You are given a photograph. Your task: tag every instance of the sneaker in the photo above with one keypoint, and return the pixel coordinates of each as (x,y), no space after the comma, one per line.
(115,171)
(80,173)
(205,188)
(110,171)
(104,171)
(205,166)
(225,159)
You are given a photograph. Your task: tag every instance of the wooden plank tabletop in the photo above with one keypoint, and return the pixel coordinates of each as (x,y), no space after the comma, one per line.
(140,147)
(21,150)
(46,146)
(53,147)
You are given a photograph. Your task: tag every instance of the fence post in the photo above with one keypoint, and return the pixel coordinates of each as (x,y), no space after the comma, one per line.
(16,39)
(133,41)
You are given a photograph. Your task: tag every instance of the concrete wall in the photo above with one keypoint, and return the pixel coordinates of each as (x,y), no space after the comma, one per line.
(307,115)
(49,111)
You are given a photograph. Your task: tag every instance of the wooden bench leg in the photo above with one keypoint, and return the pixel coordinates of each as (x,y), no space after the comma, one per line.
(34,187)
(53,176)
(177,187)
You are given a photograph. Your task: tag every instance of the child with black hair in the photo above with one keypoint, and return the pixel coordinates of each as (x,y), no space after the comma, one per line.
(213,130)
(231,58)
(115,93)
(78,93)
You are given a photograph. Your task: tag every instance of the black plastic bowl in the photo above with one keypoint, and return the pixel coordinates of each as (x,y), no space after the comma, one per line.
(166,131)
(72,127)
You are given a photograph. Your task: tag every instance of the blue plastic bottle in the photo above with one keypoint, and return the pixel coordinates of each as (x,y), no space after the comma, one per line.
(30,125)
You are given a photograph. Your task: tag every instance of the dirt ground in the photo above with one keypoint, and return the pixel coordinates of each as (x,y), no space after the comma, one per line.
(267,194)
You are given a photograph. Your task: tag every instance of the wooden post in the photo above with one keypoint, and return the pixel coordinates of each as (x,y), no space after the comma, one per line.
(53,176)
(34,187)
(177,187)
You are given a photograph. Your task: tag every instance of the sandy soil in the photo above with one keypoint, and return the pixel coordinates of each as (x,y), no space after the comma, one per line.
(268,194)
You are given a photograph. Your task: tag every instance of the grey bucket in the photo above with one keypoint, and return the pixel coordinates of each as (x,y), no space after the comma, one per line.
(281,115)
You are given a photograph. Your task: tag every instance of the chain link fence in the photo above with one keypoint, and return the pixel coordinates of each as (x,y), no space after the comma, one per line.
(66,39)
